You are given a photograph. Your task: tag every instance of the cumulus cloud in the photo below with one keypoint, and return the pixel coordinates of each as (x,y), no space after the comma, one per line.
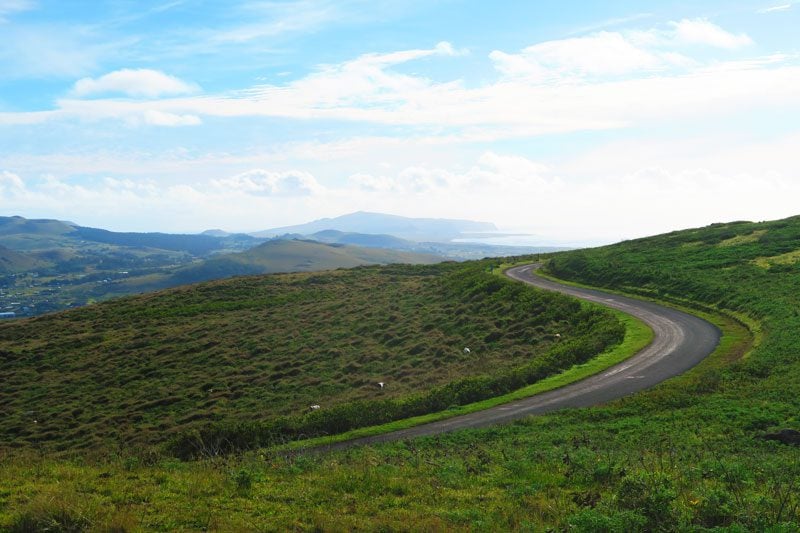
(133,82)
(370,183)
(598,54)
(491,173)
(604,80)
(261,182)
(607,53)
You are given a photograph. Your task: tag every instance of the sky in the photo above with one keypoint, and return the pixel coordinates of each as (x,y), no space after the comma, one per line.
(579,122)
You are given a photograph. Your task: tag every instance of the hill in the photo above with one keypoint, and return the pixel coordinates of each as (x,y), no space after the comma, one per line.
(140,371)
(11,261)
(459,251)
(417,229)
(58,264)
(712,450)
(371,240)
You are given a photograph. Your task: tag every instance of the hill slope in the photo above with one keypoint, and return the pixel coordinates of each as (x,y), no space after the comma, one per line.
(708,451)
(11,261)
(141,369)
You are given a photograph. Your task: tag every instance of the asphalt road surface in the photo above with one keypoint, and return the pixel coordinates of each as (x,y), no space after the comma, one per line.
(680,342)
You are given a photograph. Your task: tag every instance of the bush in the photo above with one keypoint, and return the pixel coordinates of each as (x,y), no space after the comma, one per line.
(595,521)
(650,496)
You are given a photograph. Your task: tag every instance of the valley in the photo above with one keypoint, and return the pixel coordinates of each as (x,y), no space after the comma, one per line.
(49,265)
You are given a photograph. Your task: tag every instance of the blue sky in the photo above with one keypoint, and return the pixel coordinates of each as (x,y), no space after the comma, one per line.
(582,122)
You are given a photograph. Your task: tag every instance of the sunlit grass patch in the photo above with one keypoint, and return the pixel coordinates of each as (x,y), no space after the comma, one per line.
(789,258)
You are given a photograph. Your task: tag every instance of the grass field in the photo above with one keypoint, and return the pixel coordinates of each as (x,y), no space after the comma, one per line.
(692,454)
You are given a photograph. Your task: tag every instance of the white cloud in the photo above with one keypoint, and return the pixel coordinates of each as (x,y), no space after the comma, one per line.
(492,173)
(133,82)
(607,53)
(701,31)
(271,19)
(602,81)
(775,9)
(597,54)
(161,118)
(369,183)
(8,7)
(260,182)
(617,190)
(10,182)
(365,78)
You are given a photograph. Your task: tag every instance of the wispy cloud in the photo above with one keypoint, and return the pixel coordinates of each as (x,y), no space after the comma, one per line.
(601,81)
(610,23)
(775,8)
(8,7)
(269,19)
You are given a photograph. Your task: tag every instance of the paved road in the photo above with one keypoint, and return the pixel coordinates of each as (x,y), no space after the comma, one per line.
(680,342)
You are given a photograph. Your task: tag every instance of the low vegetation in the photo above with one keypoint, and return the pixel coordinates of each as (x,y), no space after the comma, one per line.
(240,361)
(701,452)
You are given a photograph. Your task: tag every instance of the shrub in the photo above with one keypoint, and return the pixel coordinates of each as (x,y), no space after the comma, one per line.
(650,496)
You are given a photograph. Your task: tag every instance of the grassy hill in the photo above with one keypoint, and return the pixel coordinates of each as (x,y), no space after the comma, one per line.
(141,370)
(701,452)
(11,261)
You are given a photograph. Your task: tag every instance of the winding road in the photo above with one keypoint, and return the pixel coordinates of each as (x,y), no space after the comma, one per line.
(680,342)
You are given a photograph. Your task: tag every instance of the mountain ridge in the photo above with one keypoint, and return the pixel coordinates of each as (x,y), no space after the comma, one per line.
(417,229)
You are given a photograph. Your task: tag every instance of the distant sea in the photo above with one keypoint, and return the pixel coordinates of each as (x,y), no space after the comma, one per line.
(520,239)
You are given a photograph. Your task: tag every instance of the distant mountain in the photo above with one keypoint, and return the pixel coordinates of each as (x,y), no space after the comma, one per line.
(18,233)
(416,229)
(370,240)
(293,256)
(215,233)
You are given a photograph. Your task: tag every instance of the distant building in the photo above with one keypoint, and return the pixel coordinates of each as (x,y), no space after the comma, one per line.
(8,315)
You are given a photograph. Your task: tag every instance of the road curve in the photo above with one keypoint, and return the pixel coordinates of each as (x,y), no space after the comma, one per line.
(680,342)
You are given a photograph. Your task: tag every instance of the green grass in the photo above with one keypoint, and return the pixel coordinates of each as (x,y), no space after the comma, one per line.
(686,455)
(259,350)
(637,336)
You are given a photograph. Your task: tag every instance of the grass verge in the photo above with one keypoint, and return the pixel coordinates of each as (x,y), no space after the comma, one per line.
(738,329)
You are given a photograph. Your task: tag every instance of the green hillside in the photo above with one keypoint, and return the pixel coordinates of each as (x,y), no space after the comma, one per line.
(11,261)
(711,450)
(142,370)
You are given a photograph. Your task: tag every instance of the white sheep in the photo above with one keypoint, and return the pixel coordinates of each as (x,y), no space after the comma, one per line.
(313,407)
(381,384)
(467,350)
